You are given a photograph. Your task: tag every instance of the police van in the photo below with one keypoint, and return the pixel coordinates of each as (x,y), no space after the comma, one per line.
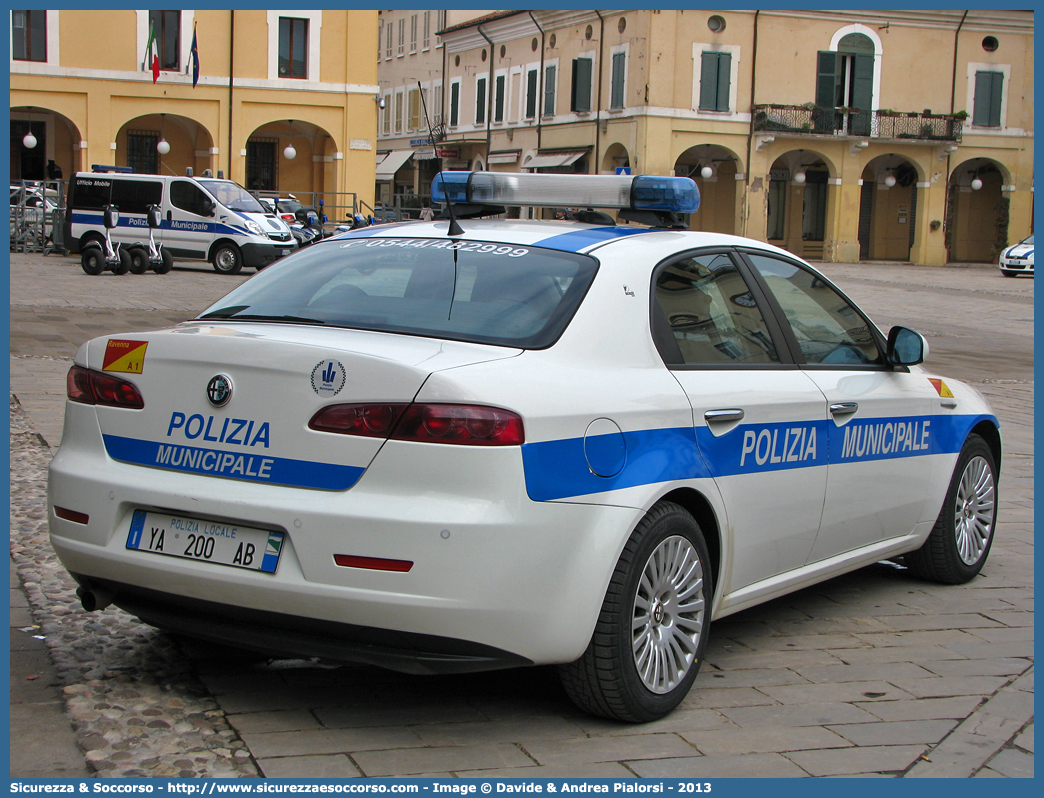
(203,218)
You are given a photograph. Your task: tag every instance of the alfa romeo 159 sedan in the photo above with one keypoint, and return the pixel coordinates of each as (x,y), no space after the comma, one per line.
(470,444)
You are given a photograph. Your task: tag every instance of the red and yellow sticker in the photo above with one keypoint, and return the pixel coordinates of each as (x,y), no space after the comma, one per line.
(941,388)
(125,356)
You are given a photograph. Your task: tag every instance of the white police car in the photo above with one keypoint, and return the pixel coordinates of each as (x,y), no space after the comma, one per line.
(1018,259)
(453,446)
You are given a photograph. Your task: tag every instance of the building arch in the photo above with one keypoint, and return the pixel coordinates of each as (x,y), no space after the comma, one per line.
(58,139)
(889,208)
(718,191)
(616,156)
(800,204)
(191,145)
(310,175)
(977,211)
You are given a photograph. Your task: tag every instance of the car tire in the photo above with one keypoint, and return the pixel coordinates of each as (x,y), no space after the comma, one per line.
(961,539)
(227,259)
(1009,273)
(139,260)
(92,261)
(166,262)
(652,630)
(123,262)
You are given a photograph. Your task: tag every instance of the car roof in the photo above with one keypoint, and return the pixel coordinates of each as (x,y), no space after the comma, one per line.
(567,236)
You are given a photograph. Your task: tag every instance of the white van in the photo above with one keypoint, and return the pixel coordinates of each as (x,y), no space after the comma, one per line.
(204,218)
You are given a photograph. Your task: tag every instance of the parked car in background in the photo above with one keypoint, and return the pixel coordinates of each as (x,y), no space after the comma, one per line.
(1018,259)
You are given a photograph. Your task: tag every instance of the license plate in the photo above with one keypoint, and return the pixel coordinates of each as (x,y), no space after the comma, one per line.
(208,541)
(284,252)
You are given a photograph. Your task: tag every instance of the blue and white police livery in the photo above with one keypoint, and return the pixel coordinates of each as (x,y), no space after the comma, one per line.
(1017,259)
(470,444)
(202,218)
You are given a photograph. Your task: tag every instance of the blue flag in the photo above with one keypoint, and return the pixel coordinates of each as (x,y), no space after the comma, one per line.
(194,59)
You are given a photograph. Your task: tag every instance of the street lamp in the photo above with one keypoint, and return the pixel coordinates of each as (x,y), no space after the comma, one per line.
(162,147)
(290,153)
(29,140)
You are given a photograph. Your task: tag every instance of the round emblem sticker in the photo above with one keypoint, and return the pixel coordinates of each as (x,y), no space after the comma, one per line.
(328,378)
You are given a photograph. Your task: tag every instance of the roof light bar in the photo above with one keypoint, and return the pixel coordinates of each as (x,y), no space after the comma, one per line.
(643,192)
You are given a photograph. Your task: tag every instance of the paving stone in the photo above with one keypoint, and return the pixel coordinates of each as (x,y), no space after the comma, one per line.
(863,673)
(799,715)
(857,761)
(577,770)
(765,740)
(751,766)
(1004,666)
(407,761)
(1025,739)
(327,741)
(397,715)
(841,692)
(710,678)
(498,731)
(608,749)
(923,709)
(942,686)
(284,721)
(1013,764)
(904,732)
(335,766)
(680,721)
(913,653)
(920,623)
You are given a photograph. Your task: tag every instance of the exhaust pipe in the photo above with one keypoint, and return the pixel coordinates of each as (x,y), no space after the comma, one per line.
(93,600)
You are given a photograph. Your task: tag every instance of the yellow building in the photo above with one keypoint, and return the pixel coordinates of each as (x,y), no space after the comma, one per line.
(285,100)
(842,136)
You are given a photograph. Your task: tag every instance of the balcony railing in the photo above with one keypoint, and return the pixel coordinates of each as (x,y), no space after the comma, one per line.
(814,121)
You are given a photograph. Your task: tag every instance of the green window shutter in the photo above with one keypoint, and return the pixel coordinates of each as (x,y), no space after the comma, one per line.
(996,94)
(581,96)
(498,102)
(531,94)
(549,91)
(989,90)
(862,93)
(454,103)
(616,99)
(715,80)
(480,101)
(826,79)
(708,81)
(724,80)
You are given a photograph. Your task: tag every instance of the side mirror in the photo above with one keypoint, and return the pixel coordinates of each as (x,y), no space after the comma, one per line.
(906,347)
(208,207)
(112,216)
(155,216)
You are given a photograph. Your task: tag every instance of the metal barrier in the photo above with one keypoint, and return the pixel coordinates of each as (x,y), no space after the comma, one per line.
(336,207)
(37,219)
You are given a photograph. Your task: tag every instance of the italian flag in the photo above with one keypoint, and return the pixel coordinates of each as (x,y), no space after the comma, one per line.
(152,54)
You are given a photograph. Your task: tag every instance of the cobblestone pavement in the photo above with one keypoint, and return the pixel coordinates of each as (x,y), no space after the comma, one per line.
(871,674)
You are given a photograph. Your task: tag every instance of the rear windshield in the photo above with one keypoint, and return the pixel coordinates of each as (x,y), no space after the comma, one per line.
(475,291)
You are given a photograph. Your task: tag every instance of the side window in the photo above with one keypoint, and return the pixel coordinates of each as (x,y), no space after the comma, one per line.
(828,329)
(189,197)
(135,196)
(704,314)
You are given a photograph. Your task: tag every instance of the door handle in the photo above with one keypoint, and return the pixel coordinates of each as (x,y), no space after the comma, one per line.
(844,408)
(170,215)
(730,414)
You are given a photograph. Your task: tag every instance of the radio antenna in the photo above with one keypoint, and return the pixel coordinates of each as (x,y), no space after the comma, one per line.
(454,228)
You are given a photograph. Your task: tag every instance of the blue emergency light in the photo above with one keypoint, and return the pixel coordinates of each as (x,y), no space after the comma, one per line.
(640,193)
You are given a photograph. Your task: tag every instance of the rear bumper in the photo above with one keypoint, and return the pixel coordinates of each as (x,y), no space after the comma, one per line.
(292,636)
(521,580)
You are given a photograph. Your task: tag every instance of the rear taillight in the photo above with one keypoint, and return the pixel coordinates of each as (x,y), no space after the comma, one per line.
(467,424)
(370,421)
(94,388)
(475,425)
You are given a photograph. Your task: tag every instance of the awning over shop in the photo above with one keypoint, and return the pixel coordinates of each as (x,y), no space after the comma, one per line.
(392,163)
(547,160)
(504,156)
